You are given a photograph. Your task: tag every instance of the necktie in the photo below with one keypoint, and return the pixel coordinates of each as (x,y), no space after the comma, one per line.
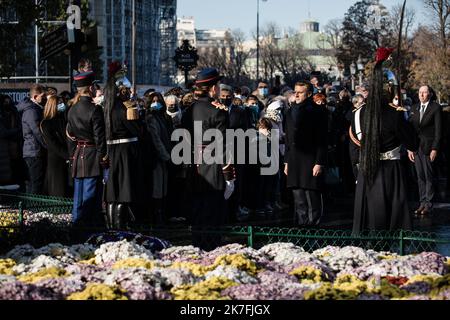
(422,112)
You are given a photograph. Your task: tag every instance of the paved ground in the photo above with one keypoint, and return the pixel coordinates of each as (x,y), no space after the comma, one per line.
(339,215)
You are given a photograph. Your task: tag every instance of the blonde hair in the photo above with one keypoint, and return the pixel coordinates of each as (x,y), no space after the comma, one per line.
(76,99)
(51,108)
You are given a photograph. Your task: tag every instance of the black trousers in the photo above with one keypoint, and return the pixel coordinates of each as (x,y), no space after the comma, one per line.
(308,207)
(36,174)
(424,169)
(209,211)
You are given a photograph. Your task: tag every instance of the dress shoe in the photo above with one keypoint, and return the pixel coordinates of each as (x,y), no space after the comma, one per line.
(278,206)
(425,212)
(268,209)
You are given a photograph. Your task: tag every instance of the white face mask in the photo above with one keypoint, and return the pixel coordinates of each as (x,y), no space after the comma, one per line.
(396,103)
(99,100)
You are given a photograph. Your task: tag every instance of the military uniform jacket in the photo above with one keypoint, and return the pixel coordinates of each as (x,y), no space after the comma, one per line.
(306,144)
(86,132)
(208,177)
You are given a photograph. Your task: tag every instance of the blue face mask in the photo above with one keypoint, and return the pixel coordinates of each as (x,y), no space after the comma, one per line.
(156,106)
(254,108)
(264,92)
(61,107)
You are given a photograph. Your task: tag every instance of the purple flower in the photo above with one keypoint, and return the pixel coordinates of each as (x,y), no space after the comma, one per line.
(20,291)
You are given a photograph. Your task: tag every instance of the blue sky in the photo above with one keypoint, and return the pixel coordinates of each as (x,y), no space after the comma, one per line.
(234,14)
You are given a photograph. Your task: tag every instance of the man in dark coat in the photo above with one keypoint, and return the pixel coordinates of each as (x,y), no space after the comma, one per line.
(86,131)
(212,184)
(427,121)
(34,145)
(9,135)
(306,152)
(238,119)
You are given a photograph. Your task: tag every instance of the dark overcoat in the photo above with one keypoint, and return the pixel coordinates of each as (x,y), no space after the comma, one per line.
(53,131)
(430,129)
(306,144)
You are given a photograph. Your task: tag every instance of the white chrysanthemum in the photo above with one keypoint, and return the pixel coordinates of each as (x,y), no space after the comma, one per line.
(37,264)
(181,252)
(115,251)
(348,258)
(233,274)
(175,277)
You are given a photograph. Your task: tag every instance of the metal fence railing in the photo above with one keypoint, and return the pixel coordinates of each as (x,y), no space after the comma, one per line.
(28,218)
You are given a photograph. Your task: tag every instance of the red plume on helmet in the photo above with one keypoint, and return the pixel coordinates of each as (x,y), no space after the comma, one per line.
(114,67)
(383,54)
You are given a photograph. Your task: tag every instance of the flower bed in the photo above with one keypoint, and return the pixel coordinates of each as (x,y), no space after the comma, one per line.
(121,270)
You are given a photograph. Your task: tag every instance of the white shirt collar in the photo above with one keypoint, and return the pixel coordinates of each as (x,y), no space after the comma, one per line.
(425,104)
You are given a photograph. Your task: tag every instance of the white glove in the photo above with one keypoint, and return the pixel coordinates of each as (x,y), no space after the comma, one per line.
(229,189)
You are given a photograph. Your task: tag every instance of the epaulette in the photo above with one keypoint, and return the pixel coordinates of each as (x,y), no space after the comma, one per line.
(356,109)
(219,106)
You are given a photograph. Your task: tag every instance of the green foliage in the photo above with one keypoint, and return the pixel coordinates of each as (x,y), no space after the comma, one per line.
(16,38)
(14,35)
(358,38)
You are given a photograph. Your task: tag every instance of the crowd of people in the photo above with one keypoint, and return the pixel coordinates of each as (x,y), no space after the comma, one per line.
(110,149)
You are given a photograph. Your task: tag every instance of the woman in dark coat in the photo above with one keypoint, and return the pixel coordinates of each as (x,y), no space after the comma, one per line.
(53,128)
(381,195)
(160,129)
(124,183)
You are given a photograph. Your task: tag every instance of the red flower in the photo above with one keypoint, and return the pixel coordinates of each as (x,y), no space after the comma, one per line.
(114,67)
(383,54)
(397,281)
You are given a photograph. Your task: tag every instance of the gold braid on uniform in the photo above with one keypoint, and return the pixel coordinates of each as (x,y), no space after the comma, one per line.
(397,108)
(219,106)
(353,138)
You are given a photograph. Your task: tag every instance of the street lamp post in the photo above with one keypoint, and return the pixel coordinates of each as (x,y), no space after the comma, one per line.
(353,72)
(360,66)
(257,39)
(133,46)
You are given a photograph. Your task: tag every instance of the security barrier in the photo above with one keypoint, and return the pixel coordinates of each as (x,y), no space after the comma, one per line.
(40,220)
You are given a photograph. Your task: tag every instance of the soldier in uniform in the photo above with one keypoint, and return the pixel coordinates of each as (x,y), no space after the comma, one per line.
(212,184)
(355,133)
(123,134)
(380,199)
(87,147)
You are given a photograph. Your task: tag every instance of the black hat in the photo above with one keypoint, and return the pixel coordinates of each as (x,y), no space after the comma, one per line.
(208,76)
(84,79)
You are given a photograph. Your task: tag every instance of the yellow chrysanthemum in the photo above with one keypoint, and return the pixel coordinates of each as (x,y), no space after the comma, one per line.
(205,290)
(328,292)
(96,291)
(196,269)
(238,261)
(386,289)
(43,274)
(89,261)
(422,278)
(6,266)
(305,273)
(134,263)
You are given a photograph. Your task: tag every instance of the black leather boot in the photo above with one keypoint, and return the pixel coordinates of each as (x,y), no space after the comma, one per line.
(159,218)
(109,215)
(121,216)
